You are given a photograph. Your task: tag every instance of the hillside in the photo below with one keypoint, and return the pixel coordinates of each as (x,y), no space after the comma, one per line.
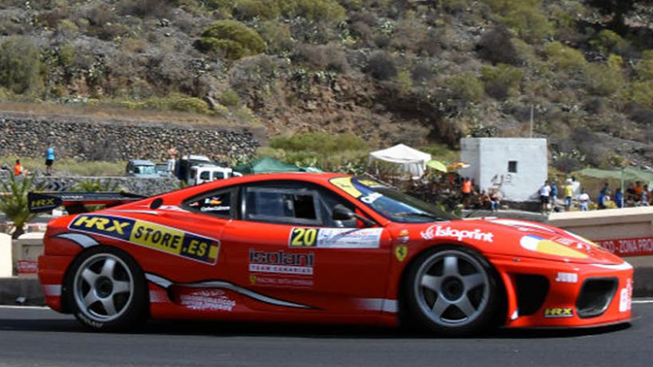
(412,71)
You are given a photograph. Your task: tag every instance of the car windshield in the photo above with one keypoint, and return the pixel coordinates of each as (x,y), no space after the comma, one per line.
(390,203)
(146,170)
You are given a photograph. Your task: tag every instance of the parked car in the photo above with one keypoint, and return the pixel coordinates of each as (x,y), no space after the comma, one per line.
(141,168)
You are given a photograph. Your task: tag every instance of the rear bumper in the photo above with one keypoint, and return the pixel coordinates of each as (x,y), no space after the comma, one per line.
(52,271)
(565,295)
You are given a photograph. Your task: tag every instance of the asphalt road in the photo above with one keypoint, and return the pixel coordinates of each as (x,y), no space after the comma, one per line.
(40,337)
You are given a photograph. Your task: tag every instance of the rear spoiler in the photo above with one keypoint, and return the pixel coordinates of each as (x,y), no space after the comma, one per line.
(74,201)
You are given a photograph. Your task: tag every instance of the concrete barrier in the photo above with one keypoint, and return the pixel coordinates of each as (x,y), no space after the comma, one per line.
(626,232)
(6,264)
(26,251)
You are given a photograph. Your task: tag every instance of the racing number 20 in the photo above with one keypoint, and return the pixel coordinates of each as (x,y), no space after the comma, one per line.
(303,237)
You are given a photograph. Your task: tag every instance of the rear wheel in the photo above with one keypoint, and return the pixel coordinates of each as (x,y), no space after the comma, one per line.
(106,290)
(452,291)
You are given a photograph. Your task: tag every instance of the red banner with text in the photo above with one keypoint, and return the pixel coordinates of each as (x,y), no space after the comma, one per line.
(624,247)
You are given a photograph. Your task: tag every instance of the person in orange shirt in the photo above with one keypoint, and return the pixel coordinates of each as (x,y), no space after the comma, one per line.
(466,190)
(18,168)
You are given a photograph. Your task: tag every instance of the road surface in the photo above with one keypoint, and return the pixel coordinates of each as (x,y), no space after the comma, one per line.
(41,337)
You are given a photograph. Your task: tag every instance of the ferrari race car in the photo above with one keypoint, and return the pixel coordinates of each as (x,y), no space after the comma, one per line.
(319,248)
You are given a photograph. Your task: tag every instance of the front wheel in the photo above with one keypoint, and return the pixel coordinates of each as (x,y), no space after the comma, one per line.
(452,291)
(106,290)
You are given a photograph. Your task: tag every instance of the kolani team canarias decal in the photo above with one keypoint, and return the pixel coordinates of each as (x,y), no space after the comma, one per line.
(151,235)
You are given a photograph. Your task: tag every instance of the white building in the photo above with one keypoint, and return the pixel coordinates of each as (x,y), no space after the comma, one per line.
(515,166)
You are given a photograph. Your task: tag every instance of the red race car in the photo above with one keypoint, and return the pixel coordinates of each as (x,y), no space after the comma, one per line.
(319,248)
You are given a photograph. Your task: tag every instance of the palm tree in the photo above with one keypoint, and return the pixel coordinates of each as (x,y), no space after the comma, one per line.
(13,201)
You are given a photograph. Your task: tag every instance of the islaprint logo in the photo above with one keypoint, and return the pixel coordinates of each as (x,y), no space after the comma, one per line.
(439,231)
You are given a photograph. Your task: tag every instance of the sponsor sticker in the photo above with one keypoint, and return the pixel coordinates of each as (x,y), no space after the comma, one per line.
(281,262)
(27,267)
(207,300)
(401,251)
(151,235)
(567,278)
(440,231)
(342,238)
(625,296)
(272,281)
(550,247)
(558,312)
(345,184)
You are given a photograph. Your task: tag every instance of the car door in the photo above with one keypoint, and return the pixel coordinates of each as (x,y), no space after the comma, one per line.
(285,244)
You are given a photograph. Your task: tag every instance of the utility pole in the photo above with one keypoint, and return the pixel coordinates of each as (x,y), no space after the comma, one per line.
(531,128)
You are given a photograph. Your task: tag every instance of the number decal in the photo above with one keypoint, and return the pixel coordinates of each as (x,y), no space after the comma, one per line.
(303,237)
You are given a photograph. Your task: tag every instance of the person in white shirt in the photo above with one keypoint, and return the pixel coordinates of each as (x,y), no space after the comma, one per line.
(584,200)
(545,193)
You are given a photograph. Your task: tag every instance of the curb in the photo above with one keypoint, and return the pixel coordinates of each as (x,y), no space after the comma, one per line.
(21,291)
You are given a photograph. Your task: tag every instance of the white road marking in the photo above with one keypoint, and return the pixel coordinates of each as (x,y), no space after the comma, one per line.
(643,300)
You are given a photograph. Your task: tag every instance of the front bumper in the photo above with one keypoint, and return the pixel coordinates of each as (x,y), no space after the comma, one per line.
(542,293)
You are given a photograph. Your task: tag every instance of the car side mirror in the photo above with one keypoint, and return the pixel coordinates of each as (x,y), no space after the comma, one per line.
(341,212)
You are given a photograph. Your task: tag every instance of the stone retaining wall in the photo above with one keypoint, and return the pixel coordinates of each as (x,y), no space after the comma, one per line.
(29,136)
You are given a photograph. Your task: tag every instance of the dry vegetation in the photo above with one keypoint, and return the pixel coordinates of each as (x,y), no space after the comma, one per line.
(412,71)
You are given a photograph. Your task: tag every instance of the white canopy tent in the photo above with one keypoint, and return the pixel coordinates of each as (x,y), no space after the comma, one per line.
(411,160)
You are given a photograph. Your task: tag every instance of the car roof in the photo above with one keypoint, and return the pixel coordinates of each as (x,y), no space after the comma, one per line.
(319,178)
(141,162)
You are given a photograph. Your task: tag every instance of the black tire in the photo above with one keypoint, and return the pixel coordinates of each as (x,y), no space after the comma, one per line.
(106,290)
(452,291)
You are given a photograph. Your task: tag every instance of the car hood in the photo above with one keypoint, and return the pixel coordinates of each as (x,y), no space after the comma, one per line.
(519,238)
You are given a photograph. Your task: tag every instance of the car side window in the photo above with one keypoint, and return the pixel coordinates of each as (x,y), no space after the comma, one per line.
(282,205)
(215,203)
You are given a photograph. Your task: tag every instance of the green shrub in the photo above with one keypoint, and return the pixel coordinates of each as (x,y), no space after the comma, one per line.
(316,10)
(609,42)
(645,66)
(318,142)
(467,87)
(501,81)
(602,80)
(642,93)
(524,17)
(276,35)
(262,9)
(232,39)
(564,57)
(229,98)
(187,104)
(20,65)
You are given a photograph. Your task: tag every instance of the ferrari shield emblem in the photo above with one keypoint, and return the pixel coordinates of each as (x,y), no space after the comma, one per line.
(400,252)
(252,279)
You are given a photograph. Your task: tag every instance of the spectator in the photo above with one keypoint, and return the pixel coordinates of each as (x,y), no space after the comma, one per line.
(638,191)
(466,191)
(584,200)
(495,200)
(630,195)
(554,194)
(568,192)
(545,192)
(18,168)
(484,201)
(619,198)
(49,160)
(603,198)
(644,199)
(605,188)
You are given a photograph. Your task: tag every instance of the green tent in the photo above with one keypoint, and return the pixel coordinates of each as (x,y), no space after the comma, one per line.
(266,165)
(626,174)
